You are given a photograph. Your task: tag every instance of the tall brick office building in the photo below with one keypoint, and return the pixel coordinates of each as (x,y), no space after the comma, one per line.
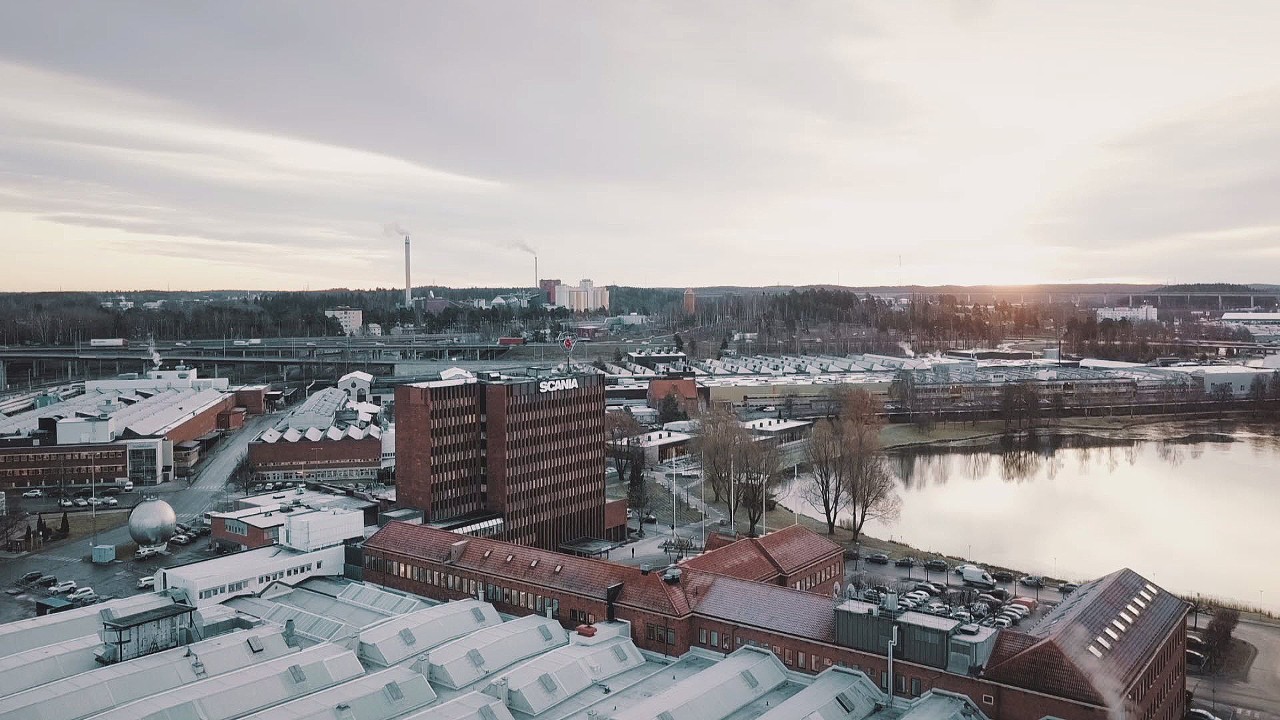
(516,457)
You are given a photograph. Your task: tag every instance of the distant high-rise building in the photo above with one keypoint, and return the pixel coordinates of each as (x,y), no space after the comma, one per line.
(510,456)
(1145,313)
(351,319)
(690,301)
(582,297)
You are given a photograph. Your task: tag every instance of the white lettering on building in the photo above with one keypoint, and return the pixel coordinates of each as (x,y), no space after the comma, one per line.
(554,385)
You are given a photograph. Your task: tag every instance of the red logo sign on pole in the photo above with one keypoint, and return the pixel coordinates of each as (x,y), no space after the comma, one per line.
(568,344)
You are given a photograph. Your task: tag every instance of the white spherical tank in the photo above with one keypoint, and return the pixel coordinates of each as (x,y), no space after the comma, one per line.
(152,522)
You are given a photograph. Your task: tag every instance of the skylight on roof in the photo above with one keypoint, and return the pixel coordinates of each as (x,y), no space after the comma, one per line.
(1139,603)
(487,553)
(1119,625)
(1144,595)
(509,557)
(1153,589)
(1096,652)
(1103,642)
(534,564)
(1112,633)
(559,568)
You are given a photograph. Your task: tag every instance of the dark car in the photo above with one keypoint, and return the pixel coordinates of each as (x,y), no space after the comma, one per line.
(882,589)
(927,587)
(30,577)
(905,562)
(871,595)
(650,519)
(111,491)
(1000,593)
(878,559)
(1033,581)
(1002,576)
(1065,588)
(935,564)
(46,581)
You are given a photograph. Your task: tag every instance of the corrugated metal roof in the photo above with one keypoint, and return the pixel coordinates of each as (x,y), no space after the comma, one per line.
(714,693)
(408,635)
(464,661)
(377,696)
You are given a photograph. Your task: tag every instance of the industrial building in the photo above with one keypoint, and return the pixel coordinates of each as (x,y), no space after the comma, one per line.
(1144,313)
(1114,647)
(335,435)
(332,649)
(515,456)
(583,297)
(147,429)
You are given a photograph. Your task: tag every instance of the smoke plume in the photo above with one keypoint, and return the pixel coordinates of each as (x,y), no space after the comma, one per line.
(394,230)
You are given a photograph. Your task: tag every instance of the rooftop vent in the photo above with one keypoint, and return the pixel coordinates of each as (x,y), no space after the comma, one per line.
(672,576)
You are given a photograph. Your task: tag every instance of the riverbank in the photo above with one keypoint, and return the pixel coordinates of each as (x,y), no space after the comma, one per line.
(1119,427)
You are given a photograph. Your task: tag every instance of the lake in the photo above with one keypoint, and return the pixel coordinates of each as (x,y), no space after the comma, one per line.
(1196,513)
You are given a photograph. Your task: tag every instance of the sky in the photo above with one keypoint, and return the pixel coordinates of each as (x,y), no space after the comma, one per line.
(284,145)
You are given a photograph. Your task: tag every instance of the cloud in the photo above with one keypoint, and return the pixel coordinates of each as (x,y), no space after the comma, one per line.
(654,143)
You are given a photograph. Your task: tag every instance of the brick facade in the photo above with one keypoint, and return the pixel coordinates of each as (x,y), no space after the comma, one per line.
(530,451)
(671,617)
(43,466)
(309,457)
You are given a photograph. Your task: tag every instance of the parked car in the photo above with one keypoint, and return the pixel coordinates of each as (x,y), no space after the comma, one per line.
(926,587)
(907,603)
(66,503)
(62,587)
(904,562)
(980,610)
(81,502)
(1195,642)
(1000,621)
(1002,576)
(80,593)
(107,492)
(33,494)
(30,577)
(878,559)
(871,595)
(203,530)
(935,564)
(147,582)
(1000,593)
(1066,588)
(110,502)
(1011,618)
(180,539)
(989,599)
(1033,581)
(916,595)
(882,589)
(1196,661)
(961,615)
(1198,714)
(146,552)
(45,581)
(938,588)
(182,528)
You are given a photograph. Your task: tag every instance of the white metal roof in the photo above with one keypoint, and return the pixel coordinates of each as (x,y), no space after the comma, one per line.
(551,678)
(410,635)
(487,651)
(377,696)
(21,635)
(472,706)
(37,666)
(98,690)
(714,693)
(836,694)
(238,693)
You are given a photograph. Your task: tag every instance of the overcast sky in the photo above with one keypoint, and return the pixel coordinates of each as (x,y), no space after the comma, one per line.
(267,145)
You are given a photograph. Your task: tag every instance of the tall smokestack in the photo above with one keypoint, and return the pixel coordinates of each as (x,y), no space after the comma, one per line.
(408,288)
(536,279)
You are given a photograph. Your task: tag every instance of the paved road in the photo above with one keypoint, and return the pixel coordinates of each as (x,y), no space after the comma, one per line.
(1259,697)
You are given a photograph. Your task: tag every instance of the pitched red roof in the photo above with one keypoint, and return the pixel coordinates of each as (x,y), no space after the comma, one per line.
(583,576)
(742,559)
(765,559)
(1131,616)
(795,547)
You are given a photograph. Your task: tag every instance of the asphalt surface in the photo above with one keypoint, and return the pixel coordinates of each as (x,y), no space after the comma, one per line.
(69,560)
(1259,696)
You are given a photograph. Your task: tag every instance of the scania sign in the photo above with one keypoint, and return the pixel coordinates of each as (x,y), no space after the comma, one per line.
(554,385)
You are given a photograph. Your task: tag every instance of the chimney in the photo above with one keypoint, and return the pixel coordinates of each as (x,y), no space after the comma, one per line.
(408,288)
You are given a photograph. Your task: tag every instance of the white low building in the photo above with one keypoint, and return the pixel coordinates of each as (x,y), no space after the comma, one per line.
(213,581)
(1145,313)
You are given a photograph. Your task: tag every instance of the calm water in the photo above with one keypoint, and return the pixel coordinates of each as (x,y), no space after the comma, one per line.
(1198,514)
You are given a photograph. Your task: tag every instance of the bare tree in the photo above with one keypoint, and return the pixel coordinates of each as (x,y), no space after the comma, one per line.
(826,488)
(871,488)
(716,440)
(758,472)
(619,426)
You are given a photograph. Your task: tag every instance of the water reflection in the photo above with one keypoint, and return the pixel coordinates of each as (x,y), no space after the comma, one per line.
(1192,509)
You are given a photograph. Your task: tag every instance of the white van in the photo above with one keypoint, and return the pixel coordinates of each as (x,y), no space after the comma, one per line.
(975,576)
(128,486)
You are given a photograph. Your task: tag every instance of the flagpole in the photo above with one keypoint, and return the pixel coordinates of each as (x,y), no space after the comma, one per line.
(795,512)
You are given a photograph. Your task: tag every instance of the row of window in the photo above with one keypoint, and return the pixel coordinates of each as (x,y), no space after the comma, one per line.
(512,597)
(827,573)
(223,589)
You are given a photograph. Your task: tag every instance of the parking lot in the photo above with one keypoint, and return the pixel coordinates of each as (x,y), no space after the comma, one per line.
(70,561)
